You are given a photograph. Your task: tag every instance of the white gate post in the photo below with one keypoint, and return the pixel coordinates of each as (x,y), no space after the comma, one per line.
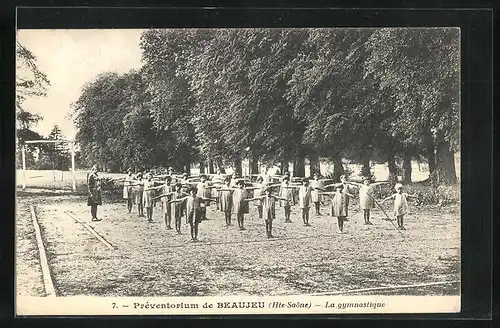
(73,165)
(23,151)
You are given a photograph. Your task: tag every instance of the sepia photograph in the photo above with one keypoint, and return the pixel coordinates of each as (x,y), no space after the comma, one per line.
(237,171)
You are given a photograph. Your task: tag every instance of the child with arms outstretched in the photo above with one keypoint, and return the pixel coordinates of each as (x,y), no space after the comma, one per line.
(339,205)
(226,200)
(268,203)
(193,210)
(400,204)
(286,192)
(150,187)
(366,200)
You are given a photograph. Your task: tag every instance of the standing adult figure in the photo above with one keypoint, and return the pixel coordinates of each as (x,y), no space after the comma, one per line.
(95,196)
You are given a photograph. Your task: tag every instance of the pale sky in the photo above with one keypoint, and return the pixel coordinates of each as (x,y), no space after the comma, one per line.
(70,58)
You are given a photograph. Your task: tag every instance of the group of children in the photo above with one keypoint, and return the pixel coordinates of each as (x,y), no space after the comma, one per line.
(181,196)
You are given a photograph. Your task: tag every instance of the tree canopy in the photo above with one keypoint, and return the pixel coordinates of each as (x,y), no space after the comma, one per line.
(277,95)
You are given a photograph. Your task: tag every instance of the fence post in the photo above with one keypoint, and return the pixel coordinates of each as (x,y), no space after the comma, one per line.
(73,165)
(23,152)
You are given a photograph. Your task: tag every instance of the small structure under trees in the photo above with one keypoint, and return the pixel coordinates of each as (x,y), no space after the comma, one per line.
(45,141)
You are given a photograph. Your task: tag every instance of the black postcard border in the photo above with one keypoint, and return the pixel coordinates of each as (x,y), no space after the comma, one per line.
(476,100)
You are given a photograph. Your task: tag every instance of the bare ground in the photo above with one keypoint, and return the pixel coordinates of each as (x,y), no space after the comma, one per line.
(152,261)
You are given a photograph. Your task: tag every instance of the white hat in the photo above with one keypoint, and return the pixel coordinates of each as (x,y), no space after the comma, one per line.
(398,186)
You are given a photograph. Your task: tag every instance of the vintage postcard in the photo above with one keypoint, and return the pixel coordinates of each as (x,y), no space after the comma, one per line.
(238,171)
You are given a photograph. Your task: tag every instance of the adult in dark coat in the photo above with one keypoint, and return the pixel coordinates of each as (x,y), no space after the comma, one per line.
(95,197)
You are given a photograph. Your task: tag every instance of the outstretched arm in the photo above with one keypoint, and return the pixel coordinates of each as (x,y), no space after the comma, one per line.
(180,200)
(414,196)
(253,198)
(226,189)
(379,183)
(208,198)
(290,186)
(163,195)
(153,188)
(211,186)
(251,188)
(388,197)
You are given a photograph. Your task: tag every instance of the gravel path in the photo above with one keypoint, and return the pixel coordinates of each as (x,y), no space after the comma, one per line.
(150,260)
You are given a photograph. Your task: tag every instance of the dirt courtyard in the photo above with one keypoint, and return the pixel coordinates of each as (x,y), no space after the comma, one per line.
(149,260)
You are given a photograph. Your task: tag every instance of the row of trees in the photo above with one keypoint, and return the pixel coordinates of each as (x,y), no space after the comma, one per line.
(279,96)
(32,82)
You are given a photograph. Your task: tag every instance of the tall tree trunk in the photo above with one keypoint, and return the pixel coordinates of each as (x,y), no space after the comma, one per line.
(202,167)
(299,168)
(406,168)
(314,166)
(187,167)
(431,157)
(365,166)
(338,168)
(254,164)
(220,165)
(445,164)
(285,163)
(238,166)
(211,166)
(391,164)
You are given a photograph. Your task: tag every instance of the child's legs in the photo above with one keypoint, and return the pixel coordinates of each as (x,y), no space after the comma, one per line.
(168,216)
(203,211)
(368,215)
(340,221)
(129,204)
(178,223)
(240,219)
(259,208)
(93,210)
(316,205)
(304,215)
(307,215)
(195,230)
(400,220)
(287,213)
(192,230)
